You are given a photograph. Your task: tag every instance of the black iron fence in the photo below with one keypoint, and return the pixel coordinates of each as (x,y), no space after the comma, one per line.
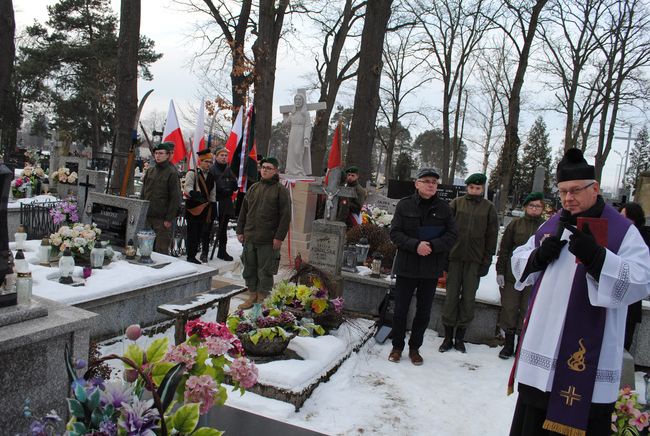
(36,219)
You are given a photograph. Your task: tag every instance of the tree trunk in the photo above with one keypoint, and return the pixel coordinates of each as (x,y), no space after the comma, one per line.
(265,49)
(366,99)
(7,56)
(126,103)
(511,143)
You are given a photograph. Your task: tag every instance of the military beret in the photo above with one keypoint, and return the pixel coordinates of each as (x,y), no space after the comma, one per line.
(533,196)
(428,172)
(352,169)
(204,154)
(476,179)
(573,166)
(220,150)
(270,159)
(164,146)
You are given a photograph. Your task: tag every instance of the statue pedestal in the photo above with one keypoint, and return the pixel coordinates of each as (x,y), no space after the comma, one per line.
(303,214)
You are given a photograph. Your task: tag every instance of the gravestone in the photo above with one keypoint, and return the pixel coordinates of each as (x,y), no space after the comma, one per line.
(379,200)
(119,218)
(538,180)
(74,163)
(89,181)
(303,213)
(326,247)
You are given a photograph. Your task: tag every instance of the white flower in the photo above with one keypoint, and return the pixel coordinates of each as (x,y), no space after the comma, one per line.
(79,242)
(81,250)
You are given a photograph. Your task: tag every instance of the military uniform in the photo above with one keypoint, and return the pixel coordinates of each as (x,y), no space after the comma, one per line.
(225,184)
(265,215)
(349,206)
(162,188)
(199,211)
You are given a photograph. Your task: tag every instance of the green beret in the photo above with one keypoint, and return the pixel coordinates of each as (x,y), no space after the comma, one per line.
(352,169)
(165,146)
(533,196)
(273,161)
(476,179)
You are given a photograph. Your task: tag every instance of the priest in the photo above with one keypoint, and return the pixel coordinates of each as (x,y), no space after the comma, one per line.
(586,264)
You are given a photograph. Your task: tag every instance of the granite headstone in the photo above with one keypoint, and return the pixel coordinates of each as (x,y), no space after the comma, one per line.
(326,246)
(119,218)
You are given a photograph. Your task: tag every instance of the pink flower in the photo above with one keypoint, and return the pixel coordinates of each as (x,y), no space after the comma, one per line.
(217,346)
(202,390)
(243,371)
(640,419)
(183,353)
(205,330)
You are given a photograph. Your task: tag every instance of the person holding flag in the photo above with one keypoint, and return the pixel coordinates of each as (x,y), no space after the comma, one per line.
(199,193)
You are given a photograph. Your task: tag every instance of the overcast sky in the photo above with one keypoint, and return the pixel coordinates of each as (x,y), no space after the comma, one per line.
(171,29)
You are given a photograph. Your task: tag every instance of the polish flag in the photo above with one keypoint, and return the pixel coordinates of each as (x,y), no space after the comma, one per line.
(198,143)
(236,134)
(334,159)
(172,133)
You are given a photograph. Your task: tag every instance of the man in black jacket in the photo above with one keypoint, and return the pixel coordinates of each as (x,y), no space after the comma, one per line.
(225,185)
(423,229)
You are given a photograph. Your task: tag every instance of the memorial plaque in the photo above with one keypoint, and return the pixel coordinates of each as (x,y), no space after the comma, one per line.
(323,252)
(449,192)
(112,221)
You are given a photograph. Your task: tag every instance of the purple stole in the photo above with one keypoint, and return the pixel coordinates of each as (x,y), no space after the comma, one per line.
(582,337)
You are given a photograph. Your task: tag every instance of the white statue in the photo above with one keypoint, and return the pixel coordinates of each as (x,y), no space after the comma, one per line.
(299,150)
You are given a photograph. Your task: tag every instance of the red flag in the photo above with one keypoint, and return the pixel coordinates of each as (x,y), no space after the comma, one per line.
(172,133)
(235,136)
(334,159)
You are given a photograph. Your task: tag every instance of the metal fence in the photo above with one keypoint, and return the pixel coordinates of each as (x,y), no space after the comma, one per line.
(36,219)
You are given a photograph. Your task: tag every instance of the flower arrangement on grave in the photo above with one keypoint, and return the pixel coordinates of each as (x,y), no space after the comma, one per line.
(20,186)
(80,238)
(182,382)
(64,212)
(64,175)
(628,417)
(267,330)
(33,155)
(311,298)
(376,216)
(378,239)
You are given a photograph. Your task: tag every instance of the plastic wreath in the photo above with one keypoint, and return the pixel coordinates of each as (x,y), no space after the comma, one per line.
(628,419)
(310,298)
(267,323)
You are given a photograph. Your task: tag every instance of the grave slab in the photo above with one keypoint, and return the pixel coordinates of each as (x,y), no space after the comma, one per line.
(119,218)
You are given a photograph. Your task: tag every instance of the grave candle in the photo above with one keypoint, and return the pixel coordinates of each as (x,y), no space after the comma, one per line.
(44,252)
(20,237)
(66,267)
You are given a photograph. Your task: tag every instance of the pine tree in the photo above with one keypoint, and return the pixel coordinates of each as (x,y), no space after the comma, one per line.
(639,158)
(536,152)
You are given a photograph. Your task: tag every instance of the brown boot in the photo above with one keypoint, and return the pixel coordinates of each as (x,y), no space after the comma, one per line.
(252,298)
(415,357)
(261,296)
(395,355)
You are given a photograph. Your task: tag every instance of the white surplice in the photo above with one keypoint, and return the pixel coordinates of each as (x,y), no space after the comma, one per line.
(624,279)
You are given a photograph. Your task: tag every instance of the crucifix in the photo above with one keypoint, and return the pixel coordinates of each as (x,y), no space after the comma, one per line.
(334,192)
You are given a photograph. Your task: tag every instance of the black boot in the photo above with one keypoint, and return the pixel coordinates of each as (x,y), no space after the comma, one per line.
(459,343)
(448,343)
(224,256)
(508,349)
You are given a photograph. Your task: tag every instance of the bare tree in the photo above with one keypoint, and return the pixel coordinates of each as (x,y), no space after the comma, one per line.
(330,76)
(366,99)
(400,65)
(452,31)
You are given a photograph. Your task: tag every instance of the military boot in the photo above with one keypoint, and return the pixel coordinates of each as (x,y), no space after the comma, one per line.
(448,343)
(261,296)
(459,343)
(508,349)
(252,298)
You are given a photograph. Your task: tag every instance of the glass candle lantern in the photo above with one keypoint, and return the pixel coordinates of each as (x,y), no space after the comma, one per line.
(129,250)
(20,263)
(97,255)
(145,245)
(24,287)
(362,248)
(20,237)
(44,252)
(349,258)
(108,250)
(66,267)
(376,265)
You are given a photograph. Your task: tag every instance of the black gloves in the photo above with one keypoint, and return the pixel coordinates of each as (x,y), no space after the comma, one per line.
(483,270)
(583,245)
(548,251)
(196,196)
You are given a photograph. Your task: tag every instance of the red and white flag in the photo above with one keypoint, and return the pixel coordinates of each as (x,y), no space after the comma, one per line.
(172,133)
(198,143)
(334,159)
(236,134)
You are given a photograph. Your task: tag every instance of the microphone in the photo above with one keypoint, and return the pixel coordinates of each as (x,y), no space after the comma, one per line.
(565,217)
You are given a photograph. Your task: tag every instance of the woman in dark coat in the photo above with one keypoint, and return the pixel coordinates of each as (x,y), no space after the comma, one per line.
(634,212)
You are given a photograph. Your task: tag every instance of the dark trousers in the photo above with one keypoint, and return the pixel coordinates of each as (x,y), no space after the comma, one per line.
(195,232)
(425,291)
(530,413)
(222,238)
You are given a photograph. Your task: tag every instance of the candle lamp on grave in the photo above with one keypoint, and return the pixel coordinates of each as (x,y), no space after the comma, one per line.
(349,258)
(66,267)
(145,245)
(362,248)
(44,252)
(23,279)
(20,237)
(376,265)
(97,255)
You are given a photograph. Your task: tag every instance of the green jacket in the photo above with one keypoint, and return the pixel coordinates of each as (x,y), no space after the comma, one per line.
(516,233)
(351,205)
(265,213)
(478,228)
(162,188)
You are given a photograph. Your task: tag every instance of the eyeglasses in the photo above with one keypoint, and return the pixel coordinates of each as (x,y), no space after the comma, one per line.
(428,182)
(535,206)
(574,191)
(268,168)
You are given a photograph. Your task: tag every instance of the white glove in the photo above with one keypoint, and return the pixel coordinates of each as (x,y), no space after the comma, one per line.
(501,281)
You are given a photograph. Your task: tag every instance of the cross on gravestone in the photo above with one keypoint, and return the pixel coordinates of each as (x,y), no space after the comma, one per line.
(89,181)
(334,191)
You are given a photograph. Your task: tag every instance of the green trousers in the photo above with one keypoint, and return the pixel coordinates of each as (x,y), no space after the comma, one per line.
(462,283)
(514,305)
(163,235)
(261,263)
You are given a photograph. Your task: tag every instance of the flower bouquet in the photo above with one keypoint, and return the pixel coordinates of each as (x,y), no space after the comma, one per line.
(21,187)
(80,238)
(376,216)
(64,212)
(64,175)
(628,418)
(308,301)
(183,383)
(267,331)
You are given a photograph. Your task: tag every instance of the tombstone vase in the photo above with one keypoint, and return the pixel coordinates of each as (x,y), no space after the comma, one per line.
(329,319)
(265,346)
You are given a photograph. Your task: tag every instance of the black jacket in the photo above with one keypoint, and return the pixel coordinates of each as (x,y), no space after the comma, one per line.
(225,183)
(405,233)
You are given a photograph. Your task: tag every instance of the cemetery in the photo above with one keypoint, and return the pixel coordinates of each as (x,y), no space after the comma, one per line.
(116,318)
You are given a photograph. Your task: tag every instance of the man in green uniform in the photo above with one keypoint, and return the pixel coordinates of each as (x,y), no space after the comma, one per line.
(349,210)
(262,226)
(515,303)
(162,188)
(469,259)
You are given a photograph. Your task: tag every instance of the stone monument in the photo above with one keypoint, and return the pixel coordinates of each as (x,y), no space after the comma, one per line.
(89,181)
(119,218)
(539,179)
(298,151)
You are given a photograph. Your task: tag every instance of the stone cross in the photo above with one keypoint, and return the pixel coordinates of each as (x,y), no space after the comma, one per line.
(288,108)
(89,181)
(333,191)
